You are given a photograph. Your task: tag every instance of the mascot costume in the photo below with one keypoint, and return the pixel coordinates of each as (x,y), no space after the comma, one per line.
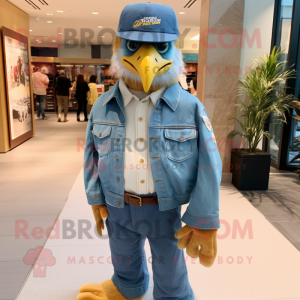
(150,149)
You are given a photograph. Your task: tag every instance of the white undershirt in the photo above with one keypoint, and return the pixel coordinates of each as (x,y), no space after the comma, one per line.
(138,109)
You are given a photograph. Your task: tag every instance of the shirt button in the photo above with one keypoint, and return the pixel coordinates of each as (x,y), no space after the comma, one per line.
(144,101)
(141,140)
(140,119)
(142,181)
(141,161)
(181,139)
(117,158)
(118,203)
(118,178)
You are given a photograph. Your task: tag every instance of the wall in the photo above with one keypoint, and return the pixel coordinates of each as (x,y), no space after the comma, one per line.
(217,80)
(86,52)
(106,52)
(77,52)
(15,19)
(258,14)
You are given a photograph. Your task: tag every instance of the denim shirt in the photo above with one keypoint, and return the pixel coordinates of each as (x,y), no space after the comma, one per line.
(185,161)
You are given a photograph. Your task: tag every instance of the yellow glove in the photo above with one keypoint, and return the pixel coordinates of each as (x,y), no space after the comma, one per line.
(100,213)
(191,238)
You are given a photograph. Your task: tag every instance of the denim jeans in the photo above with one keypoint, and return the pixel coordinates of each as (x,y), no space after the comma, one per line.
(63,104)
(41,107)
(127,229)
(82,104)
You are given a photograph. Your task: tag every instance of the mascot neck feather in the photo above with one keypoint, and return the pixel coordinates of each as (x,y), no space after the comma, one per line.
(133,81)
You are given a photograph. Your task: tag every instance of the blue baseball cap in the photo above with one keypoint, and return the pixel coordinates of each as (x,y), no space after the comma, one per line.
(148,23)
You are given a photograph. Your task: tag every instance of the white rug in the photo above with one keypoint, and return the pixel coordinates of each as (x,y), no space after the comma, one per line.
(262,266)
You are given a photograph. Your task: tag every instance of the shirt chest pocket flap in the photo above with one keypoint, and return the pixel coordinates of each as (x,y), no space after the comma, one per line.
(102,137)
(179,143)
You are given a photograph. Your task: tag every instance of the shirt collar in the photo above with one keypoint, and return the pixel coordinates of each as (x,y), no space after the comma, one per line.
(128,96)
(171,95)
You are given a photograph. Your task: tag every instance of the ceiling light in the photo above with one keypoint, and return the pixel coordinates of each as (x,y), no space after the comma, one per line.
(100,26)
(60,33)
(60,11)
(95,13)
(196,38)
(49,14)
(68,42)
(30,29)
(53,41)
(182,12)
(49,21)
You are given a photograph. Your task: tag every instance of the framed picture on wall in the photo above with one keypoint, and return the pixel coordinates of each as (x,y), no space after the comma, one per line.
(18,89)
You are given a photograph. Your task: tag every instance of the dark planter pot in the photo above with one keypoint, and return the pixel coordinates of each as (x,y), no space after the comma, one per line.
(250,171)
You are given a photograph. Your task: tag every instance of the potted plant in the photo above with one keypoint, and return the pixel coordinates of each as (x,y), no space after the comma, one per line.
(262,92)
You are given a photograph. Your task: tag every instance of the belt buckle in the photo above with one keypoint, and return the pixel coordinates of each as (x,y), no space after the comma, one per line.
(134,196)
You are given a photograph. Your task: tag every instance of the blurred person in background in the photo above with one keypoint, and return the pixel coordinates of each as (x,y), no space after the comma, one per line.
(63,93)
(93,93)
(81,96)
(40,84)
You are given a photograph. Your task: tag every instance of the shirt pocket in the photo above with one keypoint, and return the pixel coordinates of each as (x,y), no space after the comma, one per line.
(179,143)
(102,135)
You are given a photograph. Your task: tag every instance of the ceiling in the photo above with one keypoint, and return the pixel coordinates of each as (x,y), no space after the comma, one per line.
(78,15)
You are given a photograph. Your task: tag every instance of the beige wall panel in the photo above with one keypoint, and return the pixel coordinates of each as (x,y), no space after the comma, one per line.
(219,67)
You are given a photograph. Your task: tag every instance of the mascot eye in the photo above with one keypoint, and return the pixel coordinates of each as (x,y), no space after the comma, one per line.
(132,46)
(162,47)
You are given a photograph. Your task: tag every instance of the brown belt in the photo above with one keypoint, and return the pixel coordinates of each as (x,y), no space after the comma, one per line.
(139,201)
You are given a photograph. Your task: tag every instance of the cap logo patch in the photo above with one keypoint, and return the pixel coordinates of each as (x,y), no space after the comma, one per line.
(207,123)
(146,21)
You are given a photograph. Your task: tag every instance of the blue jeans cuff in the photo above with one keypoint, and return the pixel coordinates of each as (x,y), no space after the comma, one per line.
(96,199)
(129,292)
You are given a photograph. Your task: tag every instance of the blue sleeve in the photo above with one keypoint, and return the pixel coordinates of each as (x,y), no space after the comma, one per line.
(93,188)
(203,209)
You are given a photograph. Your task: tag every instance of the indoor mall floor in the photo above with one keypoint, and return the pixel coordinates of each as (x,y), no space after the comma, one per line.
(42,181)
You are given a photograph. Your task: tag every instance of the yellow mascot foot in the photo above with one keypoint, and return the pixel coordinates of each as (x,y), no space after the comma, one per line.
(101,291)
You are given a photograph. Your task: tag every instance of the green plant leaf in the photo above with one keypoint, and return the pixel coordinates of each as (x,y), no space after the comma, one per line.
(265,88)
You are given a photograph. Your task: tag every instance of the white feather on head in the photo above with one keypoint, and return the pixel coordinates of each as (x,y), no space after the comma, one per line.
(133,81)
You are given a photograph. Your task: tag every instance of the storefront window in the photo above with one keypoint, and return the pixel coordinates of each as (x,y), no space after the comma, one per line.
(285,26)
(294,142)
(282,41)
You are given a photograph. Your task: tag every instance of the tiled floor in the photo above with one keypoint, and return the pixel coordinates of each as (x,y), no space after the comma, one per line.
(35,180)
(37,176)
(280,204)
(249,265)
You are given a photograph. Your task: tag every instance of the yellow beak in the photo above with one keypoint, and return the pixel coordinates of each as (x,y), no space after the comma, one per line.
(147,63)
